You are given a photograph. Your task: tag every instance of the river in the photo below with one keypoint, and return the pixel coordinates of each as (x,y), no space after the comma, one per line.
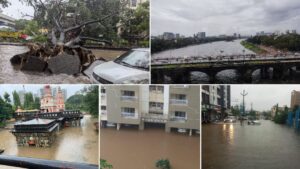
(215,49)
(134,149)
(265,146)
(74,144)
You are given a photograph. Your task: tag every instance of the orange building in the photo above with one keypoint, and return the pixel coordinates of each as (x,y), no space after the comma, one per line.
(49,103)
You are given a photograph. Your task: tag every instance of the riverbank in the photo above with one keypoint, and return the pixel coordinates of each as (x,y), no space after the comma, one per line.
(134,149)
(253,47)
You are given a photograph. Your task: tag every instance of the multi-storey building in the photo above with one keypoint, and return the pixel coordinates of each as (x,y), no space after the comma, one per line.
(295,98)
(175,107)
(215,102)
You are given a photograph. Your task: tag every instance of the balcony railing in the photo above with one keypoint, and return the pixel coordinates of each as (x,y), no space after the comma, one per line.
(156,109)
(130,98)
(156,118)
(178,118)
(178,101)
(129,115)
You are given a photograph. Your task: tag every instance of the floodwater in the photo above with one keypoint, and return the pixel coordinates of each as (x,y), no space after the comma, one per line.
(215,49)
(74,144)
(12,75)
(265,146)
(133,149)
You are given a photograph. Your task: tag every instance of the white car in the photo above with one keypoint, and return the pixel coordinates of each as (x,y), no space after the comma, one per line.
(230,119)
(130,68)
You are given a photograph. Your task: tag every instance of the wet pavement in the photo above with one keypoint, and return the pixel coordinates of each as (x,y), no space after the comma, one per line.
(74,144)
(133,149)
(265,146)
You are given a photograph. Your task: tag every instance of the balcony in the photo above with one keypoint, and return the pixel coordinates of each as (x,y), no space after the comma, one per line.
(129,115)
(128,98)
(155,118)
(103,115)
(178,101)
(156,109)
(178,118)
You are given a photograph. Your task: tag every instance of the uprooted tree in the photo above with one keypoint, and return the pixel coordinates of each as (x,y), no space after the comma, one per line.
(66,21)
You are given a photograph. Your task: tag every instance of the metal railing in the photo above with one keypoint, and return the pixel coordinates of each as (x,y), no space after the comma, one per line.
(129,115)
(178,118)
(132,98)
(178,101)
(34,163)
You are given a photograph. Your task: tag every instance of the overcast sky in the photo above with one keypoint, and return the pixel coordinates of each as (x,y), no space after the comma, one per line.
(16,9)
(224,16)
(71,89)
(263,97)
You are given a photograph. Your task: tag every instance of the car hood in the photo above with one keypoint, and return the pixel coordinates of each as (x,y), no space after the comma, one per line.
(117,73)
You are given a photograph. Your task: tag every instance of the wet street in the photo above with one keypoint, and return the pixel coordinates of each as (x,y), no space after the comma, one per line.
(75,144)
(265,146)
(134,149)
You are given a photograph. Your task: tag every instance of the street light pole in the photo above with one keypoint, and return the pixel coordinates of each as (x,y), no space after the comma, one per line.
(244,94)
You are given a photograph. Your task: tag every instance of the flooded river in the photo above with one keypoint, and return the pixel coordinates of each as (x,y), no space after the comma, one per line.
(74,144)
(134,149)
(268,146)
(215,49)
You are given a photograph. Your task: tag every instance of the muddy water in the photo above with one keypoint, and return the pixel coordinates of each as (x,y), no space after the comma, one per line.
(134,149)
(75,144)
(232,146)
(9,74)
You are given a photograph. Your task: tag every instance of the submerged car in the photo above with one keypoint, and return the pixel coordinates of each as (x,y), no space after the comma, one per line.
(230,119)
(130,68)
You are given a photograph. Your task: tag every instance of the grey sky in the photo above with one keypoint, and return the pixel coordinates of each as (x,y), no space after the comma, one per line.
(224,16)
(16,9)
(263,97)
(71,89)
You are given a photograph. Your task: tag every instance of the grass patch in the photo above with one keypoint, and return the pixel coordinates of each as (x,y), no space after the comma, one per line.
(253,47)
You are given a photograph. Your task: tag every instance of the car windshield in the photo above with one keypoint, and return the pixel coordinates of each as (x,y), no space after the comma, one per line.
(134,58)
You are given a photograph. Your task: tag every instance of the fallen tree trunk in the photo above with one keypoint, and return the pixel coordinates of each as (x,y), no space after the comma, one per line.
(57,59)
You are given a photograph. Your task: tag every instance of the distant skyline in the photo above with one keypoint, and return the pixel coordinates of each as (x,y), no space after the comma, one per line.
(263,97)
(216,17)
(35,89)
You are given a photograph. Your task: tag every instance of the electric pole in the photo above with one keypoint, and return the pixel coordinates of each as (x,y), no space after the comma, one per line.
(244,94)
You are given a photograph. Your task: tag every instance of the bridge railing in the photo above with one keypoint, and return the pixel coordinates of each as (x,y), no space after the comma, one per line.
(34,163)
(221,58)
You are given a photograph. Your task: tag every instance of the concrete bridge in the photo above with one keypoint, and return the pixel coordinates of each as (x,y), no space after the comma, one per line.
(6,20)
(245,65)
(63,116)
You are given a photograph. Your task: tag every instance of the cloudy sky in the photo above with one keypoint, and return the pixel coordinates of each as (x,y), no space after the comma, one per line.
(17,9)
(224,16)
(263,97)
(9,88)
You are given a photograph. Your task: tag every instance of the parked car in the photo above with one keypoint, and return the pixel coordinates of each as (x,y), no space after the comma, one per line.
(230,119)
(130,68)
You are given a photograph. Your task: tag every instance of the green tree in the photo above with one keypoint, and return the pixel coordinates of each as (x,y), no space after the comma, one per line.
(91,100)
(4,3)
(105,165)
(28,101)
(163,164)
(16,99)
(75,102)
(37,103)
(7,97)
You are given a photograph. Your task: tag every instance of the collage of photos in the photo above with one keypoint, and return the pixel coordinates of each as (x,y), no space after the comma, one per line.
(149,84)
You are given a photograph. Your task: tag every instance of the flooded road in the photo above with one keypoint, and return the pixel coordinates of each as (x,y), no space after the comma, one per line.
(268,146)
(75,144)
(134,149)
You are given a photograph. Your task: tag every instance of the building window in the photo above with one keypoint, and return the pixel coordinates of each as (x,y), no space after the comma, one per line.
(103,107)
(178,99)
(178,116)
(127,112)
(156,88)
(103,90)
(127,93)
(133,3)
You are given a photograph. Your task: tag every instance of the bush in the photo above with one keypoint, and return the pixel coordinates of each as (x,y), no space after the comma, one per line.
(280,118)
(105,165)
(163,164)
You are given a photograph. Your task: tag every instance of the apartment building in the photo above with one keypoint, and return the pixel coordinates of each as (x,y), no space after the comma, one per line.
(215,102)
(175,107)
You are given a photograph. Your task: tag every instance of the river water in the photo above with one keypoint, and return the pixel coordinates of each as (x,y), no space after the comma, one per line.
(215,49)
(232,146)
(134,149)
(74,144)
